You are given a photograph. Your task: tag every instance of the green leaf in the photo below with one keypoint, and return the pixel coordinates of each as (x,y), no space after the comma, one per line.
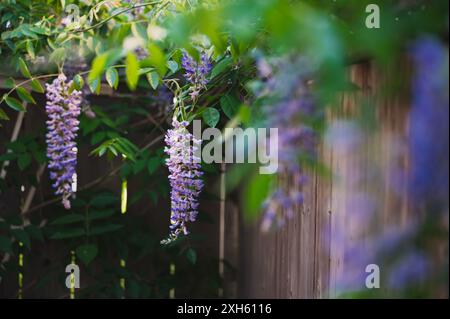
(58,55)
(99,214)
(229,105)
(22,236)
(103,61)
(69,233)
(24,69)
(25,95)
(211,116)
(153,164)
(255,193)
(153,79)
(23,161)
(98,137)
(9,83)
(157,59)
(95,86)
(87,253)
(112,77)
(5,244)
(245,114)
(34,232)
(68,219)
(191,255)
(15,104)
(3,115)
(36,86)
(30,49)
(78,82)
(98,230)
(103,200)
(132,70)
(173,66)
(221,66)
(139,31)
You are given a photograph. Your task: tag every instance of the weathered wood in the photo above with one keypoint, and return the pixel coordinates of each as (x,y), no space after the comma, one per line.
(306,258)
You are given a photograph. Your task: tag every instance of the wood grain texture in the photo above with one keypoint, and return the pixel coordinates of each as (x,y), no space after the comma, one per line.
(306,258)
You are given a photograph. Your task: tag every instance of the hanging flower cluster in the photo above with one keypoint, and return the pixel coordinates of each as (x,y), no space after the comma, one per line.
(63,109)
(296,139)
(196,72)
(185,178)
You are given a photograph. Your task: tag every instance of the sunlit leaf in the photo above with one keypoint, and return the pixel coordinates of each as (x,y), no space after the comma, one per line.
(132,70)
(112,77)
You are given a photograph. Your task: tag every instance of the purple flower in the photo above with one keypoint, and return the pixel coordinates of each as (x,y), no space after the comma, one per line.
(185,178)
(293,103)
(196,72)
(63,109)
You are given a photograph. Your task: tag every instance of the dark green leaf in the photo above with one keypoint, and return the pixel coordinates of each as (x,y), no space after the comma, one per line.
(22,236)
(229,105)
(23,161)
(211,116)
(68,219)
(69,233)
(191,255)
(103,200)
(99,214)
(5,244)
(87,253)
(98,230)
(153,164)
(221,66)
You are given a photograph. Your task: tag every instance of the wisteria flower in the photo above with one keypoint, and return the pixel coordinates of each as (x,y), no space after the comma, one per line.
(196,73)
(293,103)
(185,178)
(63,109)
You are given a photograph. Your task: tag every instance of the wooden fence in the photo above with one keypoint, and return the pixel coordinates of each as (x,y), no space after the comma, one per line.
(305,259)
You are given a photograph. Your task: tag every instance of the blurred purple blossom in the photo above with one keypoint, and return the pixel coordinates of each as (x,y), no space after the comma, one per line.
(429,122)
(291,105)
(408,270)
(63,109)
(185,178)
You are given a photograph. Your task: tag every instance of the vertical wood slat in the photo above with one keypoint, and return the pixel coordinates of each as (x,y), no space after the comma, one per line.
(306,258)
